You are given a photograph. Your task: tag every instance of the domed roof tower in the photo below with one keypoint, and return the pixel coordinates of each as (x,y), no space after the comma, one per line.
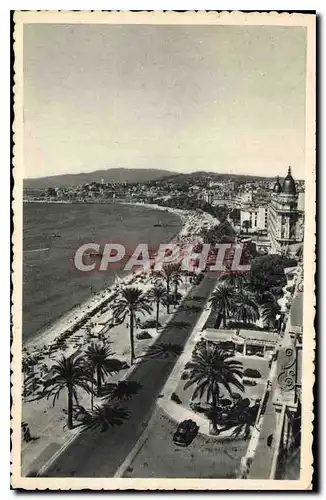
(289,184)
(277,186)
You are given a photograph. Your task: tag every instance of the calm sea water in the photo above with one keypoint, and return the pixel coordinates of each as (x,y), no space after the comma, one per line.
(51,287)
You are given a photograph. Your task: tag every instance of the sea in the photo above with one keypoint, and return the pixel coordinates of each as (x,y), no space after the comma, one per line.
(52,232)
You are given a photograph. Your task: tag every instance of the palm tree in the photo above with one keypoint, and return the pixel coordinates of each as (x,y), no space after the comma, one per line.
(68,373)
(167,272)
(246,308)
(98,357)
(234,279)
(269,313)
(158,295)
(129,302)
(176,279)
(222,301)
(243,418)
(246,225)
(210,368)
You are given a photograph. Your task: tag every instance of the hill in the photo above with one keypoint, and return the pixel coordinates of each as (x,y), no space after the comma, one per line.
(111,175)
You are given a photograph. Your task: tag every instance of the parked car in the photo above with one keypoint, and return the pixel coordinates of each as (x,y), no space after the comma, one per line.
(143,335)
(149,323)
(185,433)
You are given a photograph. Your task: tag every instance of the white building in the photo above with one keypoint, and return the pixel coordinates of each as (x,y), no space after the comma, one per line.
(256,216)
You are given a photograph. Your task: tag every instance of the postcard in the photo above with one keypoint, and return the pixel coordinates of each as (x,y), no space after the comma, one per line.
(163,250)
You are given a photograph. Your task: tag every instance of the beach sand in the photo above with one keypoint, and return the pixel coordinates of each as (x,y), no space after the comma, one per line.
(192,224)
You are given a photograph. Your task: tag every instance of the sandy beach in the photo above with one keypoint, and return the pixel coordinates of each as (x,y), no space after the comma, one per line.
(193,223)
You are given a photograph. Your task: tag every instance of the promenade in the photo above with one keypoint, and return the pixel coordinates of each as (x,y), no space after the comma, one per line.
(99,454)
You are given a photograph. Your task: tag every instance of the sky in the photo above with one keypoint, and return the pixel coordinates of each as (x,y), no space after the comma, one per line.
(228,99)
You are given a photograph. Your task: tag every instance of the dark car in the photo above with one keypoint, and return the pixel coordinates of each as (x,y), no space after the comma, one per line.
(185,433)
(149,323)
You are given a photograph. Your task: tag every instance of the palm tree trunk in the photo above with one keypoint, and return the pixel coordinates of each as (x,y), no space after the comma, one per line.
(70,404)
(175,291)
(98,378)
(132,347)
(157,313)
(214,409)
(168,295)
(224,318)
(92,396)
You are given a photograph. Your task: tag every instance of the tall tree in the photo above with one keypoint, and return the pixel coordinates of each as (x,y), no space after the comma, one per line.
(267,273)
(167,273)
(221,300)
(176,279)
(130,302)
(158,295)
(246,225)
(210,369)
(98,356)
(246,308)
(234,279)
(269,312)
(68,373)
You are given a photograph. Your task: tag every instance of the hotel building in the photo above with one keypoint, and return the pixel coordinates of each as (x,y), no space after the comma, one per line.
(285,217)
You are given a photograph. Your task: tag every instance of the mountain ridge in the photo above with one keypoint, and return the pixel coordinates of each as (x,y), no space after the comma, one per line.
(118,175)
(127,175)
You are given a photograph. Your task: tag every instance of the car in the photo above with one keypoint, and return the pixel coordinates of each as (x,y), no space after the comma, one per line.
(149,323)
(185,433)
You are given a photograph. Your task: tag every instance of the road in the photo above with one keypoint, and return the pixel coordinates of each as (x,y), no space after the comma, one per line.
(205,458)
(99,454)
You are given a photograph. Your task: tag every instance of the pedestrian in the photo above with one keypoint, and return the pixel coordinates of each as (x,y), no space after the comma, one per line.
(270,440)
(26,433)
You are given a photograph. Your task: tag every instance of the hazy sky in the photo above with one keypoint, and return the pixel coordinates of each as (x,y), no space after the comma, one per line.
(181,98)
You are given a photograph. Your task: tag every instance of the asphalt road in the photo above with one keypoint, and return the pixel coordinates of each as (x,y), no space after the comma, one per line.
(99,454)
(205,457)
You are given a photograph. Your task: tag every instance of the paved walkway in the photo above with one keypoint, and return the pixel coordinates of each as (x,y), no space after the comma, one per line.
(177,411)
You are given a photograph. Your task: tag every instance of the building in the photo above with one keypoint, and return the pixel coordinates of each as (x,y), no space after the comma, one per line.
(285,217)
(245,342)
(243,198)
(257,217)
(274,448)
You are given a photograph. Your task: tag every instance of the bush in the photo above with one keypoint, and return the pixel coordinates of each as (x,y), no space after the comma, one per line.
(175,398)
(185,376)
(248,381)
(225,402)
(143,335)
(250,372)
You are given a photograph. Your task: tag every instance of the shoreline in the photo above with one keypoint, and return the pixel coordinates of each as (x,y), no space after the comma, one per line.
(77,317)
